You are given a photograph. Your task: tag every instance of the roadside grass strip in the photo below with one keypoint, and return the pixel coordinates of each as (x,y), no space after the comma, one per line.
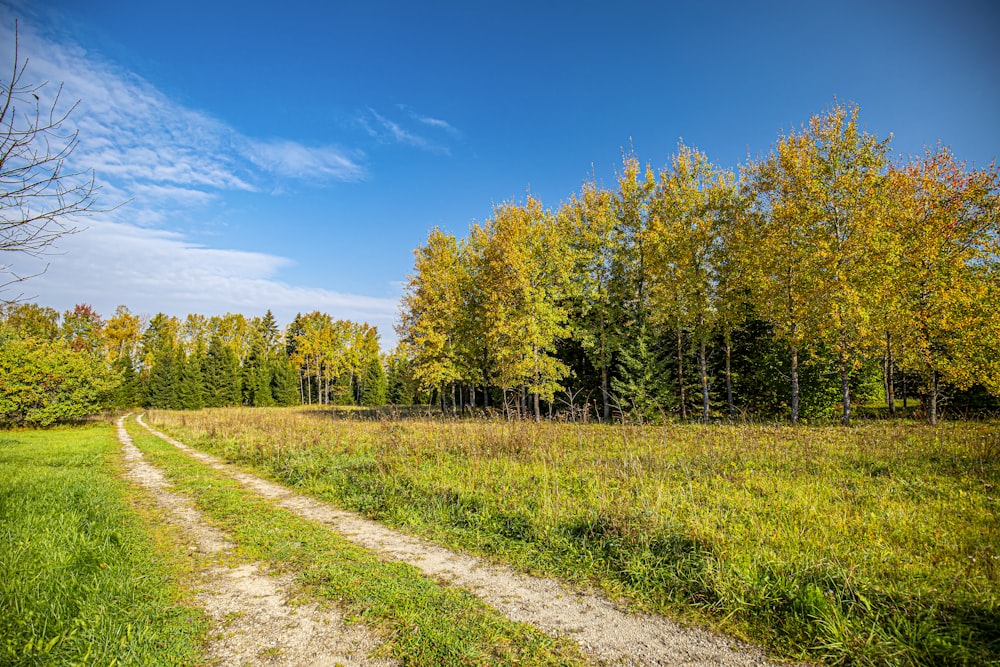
(606,632)
(422,622)
(84,579)
(871,545)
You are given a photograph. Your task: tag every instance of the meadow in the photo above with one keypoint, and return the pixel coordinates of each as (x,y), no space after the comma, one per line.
(89,572)
(875,544)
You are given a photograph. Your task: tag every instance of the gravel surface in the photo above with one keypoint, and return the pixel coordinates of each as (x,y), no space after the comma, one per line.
(606,632)
(255,623)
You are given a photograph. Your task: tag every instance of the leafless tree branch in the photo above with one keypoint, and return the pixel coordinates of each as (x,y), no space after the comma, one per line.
(40,199)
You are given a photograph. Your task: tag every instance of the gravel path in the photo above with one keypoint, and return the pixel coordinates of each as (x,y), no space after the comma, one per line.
(254,622)
(608,634)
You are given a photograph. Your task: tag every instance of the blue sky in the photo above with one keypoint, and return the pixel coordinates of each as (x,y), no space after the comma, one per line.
(290,156)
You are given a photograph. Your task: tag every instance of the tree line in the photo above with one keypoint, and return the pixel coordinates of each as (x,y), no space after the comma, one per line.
(815,275)
(55,367)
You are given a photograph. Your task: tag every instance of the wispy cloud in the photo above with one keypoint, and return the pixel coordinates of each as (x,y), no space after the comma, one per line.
(139,139)
(154,270)
(389,130)
(294,160)
(435,123)
(168,160)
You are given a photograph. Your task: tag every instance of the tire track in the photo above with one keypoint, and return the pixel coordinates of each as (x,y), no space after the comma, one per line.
(255,623)
(608,634)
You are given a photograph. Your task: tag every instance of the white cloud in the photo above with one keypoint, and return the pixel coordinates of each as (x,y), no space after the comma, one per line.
(391,131)
(138,139)
(168,161)
(436,123)
(293,160)
(151,271)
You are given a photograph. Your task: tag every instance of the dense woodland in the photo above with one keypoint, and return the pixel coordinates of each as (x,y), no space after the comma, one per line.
(820,274)
(55,367)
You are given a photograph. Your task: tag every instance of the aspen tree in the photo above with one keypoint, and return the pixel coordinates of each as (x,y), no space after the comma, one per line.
(523,269)
(589,225)
(819,195)
(431,306)
(949,231)
(689,205)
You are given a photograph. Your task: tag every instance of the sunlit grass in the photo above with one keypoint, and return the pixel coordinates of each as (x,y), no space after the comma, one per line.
(870,545)
(82,579)
(423,623)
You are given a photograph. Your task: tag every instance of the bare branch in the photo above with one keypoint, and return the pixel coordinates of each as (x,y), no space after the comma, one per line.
(40,199)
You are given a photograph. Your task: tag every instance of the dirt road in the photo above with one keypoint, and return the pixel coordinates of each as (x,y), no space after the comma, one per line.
(608,634)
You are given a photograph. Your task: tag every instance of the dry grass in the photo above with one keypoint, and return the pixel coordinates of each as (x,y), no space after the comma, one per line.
(867,545)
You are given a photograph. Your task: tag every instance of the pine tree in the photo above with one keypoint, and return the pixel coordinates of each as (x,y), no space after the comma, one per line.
(190,386)
(126,393)
(159,351)
(376,386)
(221,375)
(284,381)
(162,383)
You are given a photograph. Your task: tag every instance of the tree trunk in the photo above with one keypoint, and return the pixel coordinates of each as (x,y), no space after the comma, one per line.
(845,389)
(795,384)
(605,398)
(932,399)
(904,389)
(454,405)
(729,380)
(890,372)
(702,359)
(680,372)
(538,409)
(606,411)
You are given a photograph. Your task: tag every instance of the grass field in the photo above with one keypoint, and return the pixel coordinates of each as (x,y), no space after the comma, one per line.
(422,623)
(877,544)
(83,579)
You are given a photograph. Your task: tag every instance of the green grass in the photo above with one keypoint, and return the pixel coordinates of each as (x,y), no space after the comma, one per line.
(82,578)
(876,544)
(422,622)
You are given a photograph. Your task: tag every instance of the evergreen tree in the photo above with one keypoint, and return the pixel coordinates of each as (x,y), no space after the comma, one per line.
(190,387)
(257,380)
(126,393)
(162,384)
(284,381)
(376,385)
(638,381)
(401,386)
(221,374)
(162,376)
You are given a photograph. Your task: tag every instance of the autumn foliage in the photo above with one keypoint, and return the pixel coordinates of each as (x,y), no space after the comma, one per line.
(821,271)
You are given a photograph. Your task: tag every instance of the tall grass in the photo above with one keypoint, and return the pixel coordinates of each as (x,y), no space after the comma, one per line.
(81,579)
(878,544)
(422,623)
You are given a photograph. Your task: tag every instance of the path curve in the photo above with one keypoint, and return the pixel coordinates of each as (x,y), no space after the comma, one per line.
(255,624)
(605,632)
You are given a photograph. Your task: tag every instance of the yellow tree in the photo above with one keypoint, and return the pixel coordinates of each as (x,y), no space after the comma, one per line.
(122,334)
(431,309)
(522,269)
(691,203)
(948,227)
(589,225)
(775,252)
(819,197)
